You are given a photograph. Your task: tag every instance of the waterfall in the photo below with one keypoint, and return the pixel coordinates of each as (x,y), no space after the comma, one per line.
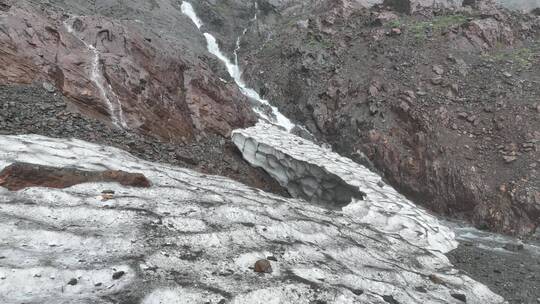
(234,71)
(96,75)
(187,9)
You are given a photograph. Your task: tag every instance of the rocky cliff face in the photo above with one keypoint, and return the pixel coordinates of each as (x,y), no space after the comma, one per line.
(445,106)
(122,70)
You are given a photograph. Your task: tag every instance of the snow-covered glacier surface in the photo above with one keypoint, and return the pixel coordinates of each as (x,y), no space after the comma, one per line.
(306,168)
(194,238)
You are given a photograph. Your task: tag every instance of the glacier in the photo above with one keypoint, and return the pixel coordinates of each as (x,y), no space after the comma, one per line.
(194,238)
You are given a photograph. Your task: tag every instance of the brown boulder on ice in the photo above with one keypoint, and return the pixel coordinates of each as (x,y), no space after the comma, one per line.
(120,72)
(18,176)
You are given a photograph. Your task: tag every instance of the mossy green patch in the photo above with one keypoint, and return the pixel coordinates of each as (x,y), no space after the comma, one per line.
(523,56)
(395,23)
(437,24)
(319,41)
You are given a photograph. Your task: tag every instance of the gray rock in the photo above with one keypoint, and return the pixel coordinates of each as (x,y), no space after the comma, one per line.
(513,247)
(509,159)
(373,109)
(373,90)
(463,115)
(438,69)
(118,274)
(436,80)
(390,299)
(271,258)
(303,24)
(49,87)
(461,297)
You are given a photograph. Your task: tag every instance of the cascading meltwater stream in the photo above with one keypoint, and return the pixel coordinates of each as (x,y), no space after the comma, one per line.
(234,71)
(96,75)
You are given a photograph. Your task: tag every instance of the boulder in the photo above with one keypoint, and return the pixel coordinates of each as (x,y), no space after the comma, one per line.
(5,5)
(513,247)
(18,176)
(438,69)
(263,266)
(49,87)
(487,33)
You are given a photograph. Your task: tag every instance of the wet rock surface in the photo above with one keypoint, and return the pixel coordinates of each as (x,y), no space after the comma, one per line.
(505,265)
(515,277)
(197,237)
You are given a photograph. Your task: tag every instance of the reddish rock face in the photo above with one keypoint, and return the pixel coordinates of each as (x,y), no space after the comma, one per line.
(486,33)
(18,176)
(116,72)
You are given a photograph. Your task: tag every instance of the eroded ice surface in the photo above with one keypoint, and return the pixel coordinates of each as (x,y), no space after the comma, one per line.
(305,169)
(192,238)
